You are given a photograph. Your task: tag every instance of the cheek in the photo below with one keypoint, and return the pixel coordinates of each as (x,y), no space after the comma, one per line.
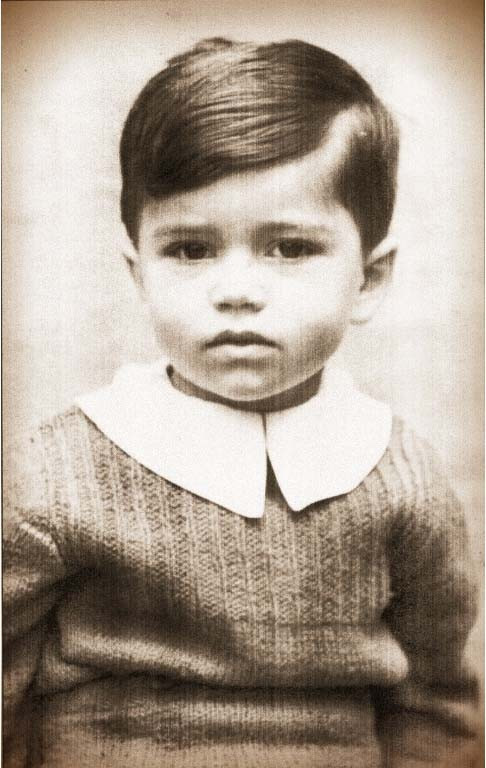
(163,296)
(165,316)
(175,324)
(316,342)
(326,303)
(325,310)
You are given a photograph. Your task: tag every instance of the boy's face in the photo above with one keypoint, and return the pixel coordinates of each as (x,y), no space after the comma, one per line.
(252,280)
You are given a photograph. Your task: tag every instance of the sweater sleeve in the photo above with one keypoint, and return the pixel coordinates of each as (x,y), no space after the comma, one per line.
(33,574)
(431,718)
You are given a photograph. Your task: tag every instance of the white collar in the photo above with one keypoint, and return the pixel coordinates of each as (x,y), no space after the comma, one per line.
(320,449)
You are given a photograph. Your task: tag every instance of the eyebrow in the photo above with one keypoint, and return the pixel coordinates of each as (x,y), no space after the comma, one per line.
(290,226)
(184,229)
(269,227)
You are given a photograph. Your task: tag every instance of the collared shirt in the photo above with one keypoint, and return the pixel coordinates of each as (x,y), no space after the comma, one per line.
(319,449)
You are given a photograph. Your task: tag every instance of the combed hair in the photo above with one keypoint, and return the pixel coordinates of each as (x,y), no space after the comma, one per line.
(224,107)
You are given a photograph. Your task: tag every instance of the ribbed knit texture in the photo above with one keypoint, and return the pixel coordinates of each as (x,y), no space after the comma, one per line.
(145,626)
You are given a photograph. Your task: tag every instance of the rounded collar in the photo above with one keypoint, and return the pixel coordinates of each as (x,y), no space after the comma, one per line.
(320,449)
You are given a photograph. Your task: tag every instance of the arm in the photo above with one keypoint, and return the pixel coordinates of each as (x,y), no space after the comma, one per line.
(33,572)
(430,719)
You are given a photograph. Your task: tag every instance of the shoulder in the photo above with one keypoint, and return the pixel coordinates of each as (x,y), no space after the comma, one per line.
(411,463)
(54,442)
(413,457)
(46,469)
(418,484)
(70,467)
(66,484)
(71,435)
(60,453)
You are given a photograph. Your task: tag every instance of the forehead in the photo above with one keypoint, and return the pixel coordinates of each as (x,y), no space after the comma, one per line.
(301,189)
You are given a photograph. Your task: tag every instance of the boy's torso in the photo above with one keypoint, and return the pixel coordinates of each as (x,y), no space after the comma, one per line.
(176,586)
(180,621)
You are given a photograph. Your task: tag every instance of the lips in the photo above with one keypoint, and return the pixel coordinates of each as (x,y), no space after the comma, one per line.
(242,339)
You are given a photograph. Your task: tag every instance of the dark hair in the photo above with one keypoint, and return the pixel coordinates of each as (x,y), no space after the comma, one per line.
(224,107)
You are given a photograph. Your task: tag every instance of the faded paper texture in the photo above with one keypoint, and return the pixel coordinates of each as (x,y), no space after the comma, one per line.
(71,314)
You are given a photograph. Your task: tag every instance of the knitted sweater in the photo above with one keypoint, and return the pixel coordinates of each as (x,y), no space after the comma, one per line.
(145,626)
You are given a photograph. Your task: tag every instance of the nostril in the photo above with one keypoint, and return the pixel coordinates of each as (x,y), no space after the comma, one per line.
(239,305)
(234,295)
(224,306)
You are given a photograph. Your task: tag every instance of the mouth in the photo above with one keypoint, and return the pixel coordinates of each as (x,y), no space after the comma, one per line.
(243,339)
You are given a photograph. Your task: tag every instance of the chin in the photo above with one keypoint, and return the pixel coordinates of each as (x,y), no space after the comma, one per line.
(245,394)
(247,390)
(261,394)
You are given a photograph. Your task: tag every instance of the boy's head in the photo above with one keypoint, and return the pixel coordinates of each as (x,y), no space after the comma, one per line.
(258,187)
(225,107)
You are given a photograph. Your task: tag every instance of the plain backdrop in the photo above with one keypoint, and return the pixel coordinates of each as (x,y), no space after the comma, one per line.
(71,315)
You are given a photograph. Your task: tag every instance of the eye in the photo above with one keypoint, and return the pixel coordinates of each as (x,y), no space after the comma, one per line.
(191,250)
(295,248)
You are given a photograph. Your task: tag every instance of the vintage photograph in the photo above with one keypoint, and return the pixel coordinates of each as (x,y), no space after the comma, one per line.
(243,384)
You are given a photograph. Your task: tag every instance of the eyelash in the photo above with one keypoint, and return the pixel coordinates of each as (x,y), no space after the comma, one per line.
(174,250)
(309,248)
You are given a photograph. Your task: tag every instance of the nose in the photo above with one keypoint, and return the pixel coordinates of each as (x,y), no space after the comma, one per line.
(238,285)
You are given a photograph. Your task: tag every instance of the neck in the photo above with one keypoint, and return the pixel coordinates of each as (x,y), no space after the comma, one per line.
(289,398)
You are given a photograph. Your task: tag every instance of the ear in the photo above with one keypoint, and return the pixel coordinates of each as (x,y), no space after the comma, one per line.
(132,259)
(377,275)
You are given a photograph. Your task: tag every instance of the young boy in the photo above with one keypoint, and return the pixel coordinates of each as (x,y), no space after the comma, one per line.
(233,557)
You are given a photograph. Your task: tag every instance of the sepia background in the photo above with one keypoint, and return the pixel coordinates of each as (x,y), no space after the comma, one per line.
(71,315)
